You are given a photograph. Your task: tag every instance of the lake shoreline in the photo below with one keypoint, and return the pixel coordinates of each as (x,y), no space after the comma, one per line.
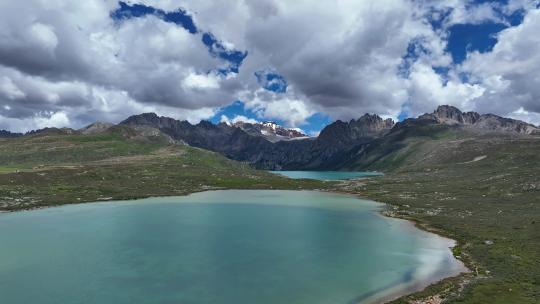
(435,297)
(408,289)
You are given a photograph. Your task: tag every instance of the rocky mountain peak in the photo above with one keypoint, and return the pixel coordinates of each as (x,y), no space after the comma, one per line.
(142,119)
(369,125)
(448,114)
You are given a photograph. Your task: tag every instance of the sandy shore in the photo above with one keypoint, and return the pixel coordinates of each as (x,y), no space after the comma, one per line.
(427,275)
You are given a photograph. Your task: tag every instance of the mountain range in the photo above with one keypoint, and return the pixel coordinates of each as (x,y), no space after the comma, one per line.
(363,143)
(467,176)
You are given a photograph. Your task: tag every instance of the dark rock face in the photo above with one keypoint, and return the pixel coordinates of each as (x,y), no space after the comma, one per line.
(487,122)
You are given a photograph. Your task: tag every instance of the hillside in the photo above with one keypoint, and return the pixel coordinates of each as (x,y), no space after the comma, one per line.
(59,166)
(480,188)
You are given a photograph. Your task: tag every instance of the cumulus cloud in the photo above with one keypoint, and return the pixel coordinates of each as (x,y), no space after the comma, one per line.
(9,90)
(200,81)
(426,87)
(60,56)
(69,63)
(274,105)
(510,71)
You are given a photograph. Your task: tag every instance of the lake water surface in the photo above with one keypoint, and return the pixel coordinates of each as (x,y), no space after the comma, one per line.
(226,247)
(326,175)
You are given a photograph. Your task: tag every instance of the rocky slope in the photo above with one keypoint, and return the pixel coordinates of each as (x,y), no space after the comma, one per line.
(449,115)
(95,128)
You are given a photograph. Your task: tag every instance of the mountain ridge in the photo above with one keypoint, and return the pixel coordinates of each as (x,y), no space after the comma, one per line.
(338,145)
(450,115)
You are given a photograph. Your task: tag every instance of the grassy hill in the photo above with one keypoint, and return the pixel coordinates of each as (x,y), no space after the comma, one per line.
(481,189)
(61,166)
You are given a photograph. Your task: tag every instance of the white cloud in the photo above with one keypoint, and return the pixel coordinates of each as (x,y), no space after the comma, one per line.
(38,121)
(9,90)
(509,73)
(427,90)
(58,119)
(43,35)
(237,118)
(341,58)
(286,107)
(531,117)
(199,81)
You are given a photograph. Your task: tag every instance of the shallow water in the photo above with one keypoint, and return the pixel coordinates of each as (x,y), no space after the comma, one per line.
(326,175)
(216,247)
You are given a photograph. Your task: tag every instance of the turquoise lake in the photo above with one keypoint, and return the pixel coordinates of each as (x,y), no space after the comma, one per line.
(326,175)
(230,247)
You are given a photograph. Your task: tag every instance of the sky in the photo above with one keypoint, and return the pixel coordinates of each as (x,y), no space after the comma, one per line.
(302,63)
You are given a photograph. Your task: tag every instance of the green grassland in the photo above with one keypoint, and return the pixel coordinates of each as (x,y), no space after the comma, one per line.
(52,169)
(481,190)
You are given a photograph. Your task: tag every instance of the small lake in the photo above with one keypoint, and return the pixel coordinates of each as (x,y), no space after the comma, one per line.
(326,175)
(222,247)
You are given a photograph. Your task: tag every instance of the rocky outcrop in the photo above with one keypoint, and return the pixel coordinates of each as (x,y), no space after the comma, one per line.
(96,128)
(450,115)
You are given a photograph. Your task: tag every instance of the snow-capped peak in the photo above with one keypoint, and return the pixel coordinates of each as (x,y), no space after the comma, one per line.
(270,130)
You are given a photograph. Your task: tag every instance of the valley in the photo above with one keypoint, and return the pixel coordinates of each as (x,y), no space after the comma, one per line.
(468,178)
